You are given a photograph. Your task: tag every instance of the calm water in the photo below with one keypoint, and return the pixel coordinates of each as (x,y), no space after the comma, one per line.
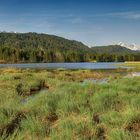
(65,65)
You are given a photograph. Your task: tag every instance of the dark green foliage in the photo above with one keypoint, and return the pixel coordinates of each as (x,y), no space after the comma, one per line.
(115,53)
(113,49)
(33,47)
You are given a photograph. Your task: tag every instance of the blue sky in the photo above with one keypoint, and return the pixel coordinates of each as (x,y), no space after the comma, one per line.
(94,22)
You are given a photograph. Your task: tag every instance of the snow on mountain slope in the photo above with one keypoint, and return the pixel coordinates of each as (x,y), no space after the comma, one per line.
(133,47)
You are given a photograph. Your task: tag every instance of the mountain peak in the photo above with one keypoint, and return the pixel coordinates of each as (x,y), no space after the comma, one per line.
(132,46)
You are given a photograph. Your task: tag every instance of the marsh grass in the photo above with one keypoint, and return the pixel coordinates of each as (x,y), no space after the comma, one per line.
(70,109)
(134,66)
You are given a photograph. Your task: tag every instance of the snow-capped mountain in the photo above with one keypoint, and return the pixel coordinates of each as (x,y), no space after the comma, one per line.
(133,47)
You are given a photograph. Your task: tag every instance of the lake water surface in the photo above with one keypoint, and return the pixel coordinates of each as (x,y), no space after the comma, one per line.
(65,65)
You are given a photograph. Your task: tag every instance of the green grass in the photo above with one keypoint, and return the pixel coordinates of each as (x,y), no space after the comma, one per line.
(69,109)
(135,66)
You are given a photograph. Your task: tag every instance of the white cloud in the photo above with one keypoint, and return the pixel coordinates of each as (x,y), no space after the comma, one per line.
(127,15)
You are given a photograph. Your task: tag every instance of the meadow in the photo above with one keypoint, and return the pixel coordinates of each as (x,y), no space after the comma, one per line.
(64,105)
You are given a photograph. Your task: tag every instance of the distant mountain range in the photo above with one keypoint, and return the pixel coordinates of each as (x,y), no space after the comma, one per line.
(130,46)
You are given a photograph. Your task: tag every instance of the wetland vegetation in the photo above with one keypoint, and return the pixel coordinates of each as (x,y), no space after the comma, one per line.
(60,104)
(69,70)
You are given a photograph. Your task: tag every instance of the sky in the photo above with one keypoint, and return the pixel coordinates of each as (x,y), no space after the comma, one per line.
(93,22)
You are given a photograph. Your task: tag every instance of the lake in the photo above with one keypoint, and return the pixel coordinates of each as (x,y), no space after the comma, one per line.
(84,65)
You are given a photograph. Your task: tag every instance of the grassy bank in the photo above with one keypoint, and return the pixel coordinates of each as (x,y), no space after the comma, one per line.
(135,65)
(69,108)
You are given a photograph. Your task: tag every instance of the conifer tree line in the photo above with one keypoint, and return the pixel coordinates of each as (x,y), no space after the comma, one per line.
(33,47)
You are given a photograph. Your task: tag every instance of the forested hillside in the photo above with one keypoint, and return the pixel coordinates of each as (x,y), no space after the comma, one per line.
(33,47)
(114,49)
(115,53)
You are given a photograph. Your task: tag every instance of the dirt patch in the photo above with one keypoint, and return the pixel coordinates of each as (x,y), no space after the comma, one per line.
(86,133)
(10,128)
(68,74)
(17,77)
(100,133)
(134,127)
(50,121)
(96,119)
(52,117)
